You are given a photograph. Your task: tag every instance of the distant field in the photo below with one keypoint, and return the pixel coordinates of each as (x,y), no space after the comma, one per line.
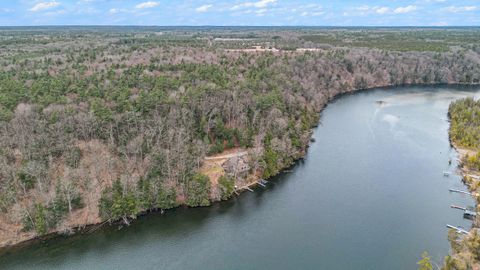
(390,39)
(434,40)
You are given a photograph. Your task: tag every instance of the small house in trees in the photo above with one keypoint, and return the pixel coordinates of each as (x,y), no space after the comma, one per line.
(236,167)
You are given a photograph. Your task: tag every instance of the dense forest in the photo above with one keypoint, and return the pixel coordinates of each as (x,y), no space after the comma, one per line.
(99,124)
(465,128)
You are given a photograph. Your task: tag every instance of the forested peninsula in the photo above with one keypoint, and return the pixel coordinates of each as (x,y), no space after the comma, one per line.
(99,125)
(465,136)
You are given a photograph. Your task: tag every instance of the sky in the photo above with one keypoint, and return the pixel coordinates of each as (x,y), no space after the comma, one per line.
(241,12)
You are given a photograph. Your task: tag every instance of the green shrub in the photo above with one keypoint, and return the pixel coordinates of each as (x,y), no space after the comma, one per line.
(473,162)
(167,198)
(41,221)
(216,148)
(270,158)
(117,202)
(146,194)
(157,167)
(465,122)
(102,112)
(198,190)
(425,263)
(37,220)
(27,180)
(227,187)
(44,217)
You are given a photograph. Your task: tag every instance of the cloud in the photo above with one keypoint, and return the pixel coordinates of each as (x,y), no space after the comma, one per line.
(309,10)
(88,10)
(382,10)
(264,3)
(6,10)
(116,10)
(259,4)
(403,10)
(312,14)
(149,4)
(203,8)
(439,24)
(365,10)
(456,9)
(261,12)
(44,5)
(55,13)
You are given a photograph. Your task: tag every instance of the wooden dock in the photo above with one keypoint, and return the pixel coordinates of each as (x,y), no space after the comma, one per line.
(458,207)
(260,182)
(246,187)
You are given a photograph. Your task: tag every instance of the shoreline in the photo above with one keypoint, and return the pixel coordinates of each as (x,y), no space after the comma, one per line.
(467,178)
(91,228)
(463,249)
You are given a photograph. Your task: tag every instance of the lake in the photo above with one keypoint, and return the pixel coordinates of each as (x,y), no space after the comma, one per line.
(370,194)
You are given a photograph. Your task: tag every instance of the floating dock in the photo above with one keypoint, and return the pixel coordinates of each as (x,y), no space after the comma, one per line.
(460,191)
(458,229)
(458,207)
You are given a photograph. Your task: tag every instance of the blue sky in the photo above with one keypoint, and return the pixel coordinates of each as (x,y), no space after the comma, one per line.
(240,12)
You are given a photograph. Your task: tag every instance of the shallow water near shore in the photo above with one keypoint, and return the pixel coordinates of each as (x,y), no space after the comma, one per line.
(370,195)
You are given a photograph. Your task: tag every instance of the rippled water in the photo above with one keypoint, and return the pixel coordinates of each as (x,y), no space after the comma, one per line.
(370,195)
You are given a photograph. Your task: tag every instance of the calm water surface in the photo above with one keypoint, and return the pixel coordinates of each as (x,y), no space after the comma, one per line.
(370,195)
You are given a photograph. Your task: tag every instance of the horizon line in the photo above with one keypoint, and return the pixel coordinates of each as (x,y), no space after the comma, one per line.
(273,26)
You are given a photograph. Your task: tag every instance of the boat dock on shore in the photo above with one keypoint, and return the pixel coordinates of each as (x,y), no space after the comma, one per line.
(468,212)
(458,229)
(260,182)
(460,191)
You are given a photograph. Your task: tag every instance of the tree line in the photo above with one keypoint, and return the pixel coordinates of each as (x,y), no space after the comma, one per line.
(114,128)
